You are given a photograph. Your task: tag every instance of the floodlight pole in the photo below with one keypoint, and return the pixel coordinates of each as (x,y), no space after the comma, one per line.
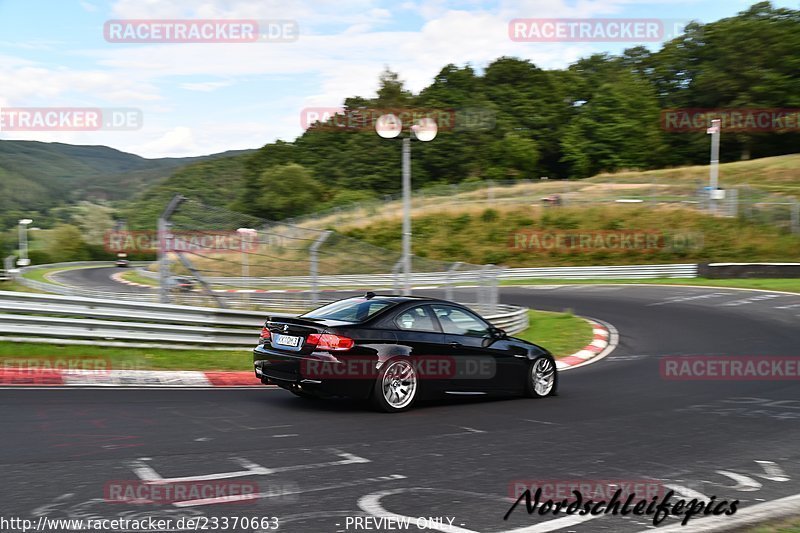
(713,177)
(406,215)
(389,127)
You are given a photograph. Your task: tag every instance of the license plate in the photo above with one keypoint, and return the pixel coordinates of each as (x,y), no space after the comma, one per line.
(288,340)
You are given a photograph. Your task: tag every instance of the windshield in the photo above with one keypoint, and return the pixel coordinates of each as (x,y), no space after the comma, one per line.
(351,310)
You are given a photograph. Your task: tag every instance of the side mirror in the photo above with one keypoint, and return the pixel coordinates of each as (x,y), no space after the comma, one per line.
(497,333)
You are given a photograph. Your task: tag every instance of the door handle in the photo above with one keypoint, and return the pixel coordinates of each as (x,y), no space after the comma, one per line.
(455,344)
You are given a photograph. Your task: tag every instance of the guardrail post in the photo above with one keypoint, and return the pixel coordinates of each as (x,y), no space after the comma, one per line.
(314,260)
(795,217)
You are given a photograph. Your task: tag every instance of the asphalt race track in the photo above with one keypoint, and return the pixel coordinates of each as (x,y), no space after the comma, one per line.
(320,464)
(97,278)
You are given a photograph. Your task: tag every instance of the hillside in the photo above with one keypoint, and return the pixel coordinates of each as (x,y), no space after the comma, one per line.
(604,113)
(215,183)
(37,176)
(503,236)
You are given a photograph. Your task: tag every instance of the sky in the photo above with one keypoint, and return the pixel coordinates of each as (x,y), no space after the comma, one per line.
(199,98)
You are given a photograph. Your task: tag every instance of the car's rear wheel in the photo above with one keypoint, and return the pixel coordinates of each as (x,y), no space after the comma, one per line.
(396,387)
(542,378)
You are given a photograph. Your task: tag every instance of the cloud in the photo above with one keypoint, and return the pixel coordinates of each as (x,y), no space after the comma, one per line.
(343,47)
(206,86)
(177,142)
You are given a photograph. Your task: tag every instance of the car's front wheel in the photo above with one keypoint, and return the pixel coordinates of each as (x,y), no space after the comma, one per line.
(396,386)
(542,378)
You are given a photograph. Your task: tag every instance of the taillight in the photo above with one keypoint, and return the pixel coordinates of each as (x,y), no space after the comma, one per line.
(329,341)
(264,334)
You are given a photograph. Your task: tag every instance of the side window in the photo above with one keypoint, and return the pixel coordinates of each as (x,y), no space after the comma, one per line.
(416,319)
(456,321)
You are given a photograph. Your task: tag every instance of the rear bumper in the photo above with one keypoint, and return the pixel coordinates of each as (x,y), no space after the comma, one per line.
(287,370)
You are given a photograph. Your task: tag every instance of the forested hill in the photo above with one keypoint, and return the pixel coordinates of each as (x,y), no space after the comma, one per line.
(601,114)
(37,176)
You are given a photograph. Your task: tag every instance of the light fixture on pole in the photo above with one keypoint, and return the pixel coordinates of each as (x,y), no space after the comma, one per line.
(23,242)
(388,127)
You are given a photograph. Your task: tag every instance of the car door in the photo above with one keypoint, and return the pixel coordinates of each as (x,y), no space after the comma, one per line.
(484,363)
(418,331)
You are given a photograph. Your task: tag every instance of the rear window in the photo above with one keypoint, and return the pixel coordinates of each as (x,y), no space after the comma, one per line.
(351,310)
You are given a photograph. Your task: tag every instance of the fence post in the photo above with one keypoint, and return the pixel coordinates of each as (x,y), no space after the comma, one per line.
(163,255)
(493,291)
(396,277)
(314,260)
(733,202)
(448,287)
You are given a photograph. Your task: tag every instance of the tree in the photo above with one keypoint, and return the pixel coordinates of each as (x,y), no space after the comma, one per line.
(287,191)
(391,92)
(617,129)
(66,244)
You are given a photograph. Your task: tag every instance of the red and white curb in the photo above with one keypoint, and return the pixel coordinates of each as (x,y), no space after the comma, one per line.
(22,377)
(119,279)
(604,341)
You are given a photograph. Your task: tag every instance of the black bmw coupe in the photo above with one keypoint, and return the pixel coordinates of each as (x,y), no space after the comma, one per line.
(395,350)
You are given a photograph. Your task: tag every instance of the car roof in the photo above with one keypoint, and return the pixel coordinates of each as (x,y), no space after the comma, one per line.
(395,298)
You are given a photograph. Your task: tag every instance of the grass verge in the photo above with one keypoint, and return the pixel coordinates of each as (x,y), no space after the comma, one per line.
(134,277)
(17,287)
(133,358)
(777,284)
(561,333)
(791,525)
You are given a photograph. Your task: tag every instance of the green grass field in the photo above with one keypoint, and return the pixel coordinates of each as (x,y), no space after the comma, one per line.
(561,333)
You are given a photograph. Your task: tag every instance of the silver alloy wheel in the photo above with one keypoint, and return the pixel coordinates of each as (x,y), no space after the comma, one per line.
(399,384)
(543,374)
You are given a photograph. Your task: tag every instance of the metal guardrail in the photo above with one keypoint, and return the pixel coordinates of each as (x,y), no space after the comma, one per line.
(29,317)
(604,272)
(470,276)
